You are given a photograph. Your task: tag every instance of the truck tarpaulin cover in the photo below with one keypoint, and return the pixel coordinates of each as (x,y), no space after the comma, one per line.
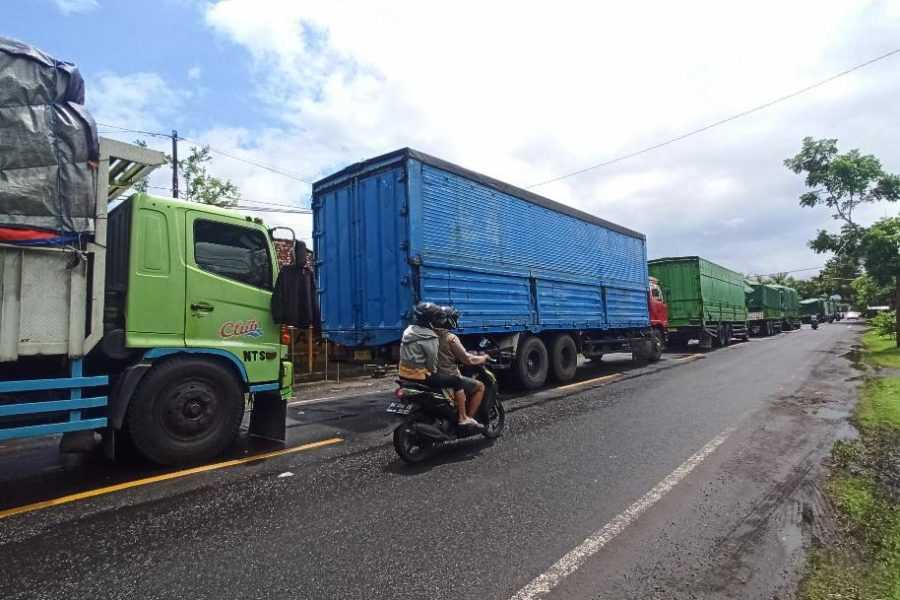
(47,139)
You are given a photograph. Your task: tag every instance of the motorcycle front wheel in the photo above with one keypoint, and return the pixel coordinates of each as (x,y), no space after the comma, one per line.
(410,446)
(496,420)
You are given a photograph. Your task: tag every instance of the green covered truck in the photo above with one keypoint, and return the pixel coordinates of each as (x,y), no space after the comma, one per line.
(791,304)
(706,301)
(813,307)
(156,329)
(765,308)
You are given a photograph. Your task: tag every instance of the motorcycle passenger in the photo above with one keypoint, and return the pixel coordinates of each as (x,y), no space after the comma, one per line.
(452,353)
(419,348)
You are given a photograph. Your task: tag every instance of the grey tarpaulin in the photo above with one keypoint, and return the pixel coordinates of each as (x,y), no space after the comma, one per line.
(47,140)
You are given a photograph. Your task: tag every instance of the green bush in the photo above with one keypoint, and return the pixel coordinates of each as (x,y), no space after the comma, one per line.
(885,324)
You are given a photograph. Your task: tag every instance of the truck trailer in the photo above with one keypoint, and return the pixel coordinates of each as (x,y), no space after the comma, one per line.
(791,302)
(538,280)
(765,308)
(155,328)
(705,301)
(813,307)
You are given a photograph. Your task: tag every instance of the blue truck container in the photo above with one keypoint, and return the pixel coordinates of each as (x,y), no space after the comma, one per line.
(406,227)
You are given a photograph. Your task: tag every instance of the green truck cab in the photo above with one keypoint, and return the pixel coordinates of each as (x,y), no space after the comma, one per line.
(197,308)
(159,330)
(202,277)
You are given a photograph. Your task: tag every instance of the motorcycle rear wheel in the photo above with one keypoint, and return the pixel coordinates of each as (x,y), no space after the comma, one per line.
(410,446)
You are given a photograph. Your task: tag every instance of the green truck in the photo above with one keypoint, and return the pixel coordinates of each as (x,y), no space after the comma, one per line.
(791,303)
(765,308)
(706,301)
(814,307)
(157,328)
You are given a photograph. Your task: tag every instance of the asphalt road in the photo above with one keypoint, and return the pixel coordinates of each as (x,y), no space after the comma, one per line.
(697,481)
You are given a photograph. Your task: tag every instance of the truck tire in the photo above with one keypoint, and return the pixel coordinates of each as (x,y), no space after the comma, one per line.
(706,341)
(563,358)
(531,363)
(656,346)
(726,335)
(187,410)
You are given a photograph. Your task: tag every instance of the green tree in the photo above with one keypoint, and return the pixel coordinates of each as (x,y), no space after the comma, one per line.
(842,182)
(867,292)
(203,187)
(881,253)
(200,185)
(779,278)
(140,186)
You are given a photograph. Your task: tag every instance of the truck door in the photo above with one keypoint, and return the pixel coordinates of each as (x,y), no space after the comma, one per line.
(230,276)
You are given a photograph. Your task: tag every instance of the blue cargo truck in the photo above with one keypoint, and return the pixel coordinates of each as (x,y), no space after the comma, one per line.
(538,280)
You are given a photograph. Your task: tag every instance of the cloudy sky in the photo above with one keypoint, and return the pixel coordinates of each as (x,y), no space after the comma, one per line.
(522,91)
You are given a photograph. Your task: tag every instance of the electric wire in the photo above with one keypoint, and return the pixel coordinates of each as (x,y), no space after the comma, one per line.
(254,163)
(719,122)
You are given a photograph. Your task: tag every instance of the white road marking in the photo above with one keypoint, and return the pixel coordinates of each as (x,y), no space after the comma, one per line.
(285,474)
(569,563)
(313,400)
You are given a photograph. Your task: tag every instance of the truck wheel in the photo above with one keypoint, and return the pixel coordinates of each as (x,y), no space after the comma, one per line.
(531,363)
(706,341)
(656,346)
(563,358)
(187,410)
(726,336)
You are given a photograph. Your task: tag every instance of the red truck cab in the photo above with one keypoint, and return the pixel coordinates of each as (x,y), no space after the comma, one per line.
(659,312)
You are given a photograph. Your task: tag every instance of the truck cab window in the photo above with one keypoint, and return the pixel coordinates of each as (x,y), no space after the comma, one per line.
(232,251)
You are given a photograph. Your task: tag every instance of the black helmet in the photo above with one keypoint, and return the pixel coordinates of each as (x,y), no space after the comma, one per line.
(427,314)
(451,317)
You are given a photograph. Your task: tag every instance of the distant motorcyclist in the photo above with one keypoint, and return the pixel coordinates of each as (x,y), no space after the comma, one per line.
(419,349)
(452,353)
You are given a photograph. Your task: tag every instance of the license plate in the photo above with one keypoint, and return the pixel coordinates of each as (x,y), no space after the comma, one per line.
(362,355)
(400,408)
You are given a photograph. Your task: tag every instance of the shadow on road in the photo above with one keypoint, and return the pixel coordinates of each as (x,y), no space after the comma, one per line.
(454,452)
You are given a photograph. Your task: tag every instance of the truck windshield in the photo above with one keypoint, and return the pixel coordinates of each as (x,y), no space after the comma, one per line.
(234,252)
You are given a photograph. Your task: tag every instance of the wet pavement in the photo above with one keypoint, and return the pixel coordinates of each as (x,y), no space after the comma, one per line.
(483,519)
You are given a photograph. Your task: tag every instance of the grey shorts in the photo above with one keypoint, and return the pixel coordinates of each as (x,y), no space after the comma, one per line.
(469,385)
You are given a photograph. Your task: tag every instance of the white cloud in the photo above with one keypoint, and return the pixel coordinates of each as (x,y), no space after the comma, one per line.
(68,7)
(135,100)
(529,91)
(194,72)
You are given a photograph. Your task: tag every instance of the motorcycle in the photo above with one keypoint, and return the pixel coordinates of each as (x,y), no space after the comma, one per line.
(814,322)
(430,420)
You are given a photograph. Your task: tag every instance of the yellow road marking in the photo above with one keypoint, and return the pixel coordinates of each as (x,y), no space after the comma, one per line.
(590,381)
(164,477)
(691,357)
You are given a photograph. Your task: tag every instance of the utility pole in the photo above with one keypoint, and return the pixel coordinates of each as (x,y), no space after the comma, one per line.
(174,163)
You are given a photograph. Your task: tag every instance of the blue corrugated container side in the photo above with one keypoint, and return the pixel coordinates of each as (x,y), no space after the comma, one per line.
(407,226)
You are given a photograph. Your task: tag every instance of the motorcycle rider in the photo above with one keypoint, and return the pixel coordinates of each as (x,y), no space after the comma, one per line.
(452,353)
(419,349)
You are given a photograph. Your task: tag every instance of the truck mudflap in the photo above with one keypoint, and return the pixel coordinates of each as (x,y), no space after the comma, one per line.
(267,419)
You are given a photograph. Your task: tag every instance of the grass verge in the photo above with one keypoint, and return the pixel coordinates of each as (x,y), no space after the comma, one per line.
(881,351)
(863,562)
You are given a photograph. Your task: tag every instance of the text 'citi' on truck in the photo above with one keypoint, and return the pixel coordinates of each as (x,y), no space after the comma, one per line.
(154,320)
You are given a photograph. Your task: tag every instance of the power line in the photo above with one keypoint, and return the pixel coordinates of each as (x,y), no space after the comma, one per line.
(259,165)
(270,207)
(719,122)
(151,133)
(250,162)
